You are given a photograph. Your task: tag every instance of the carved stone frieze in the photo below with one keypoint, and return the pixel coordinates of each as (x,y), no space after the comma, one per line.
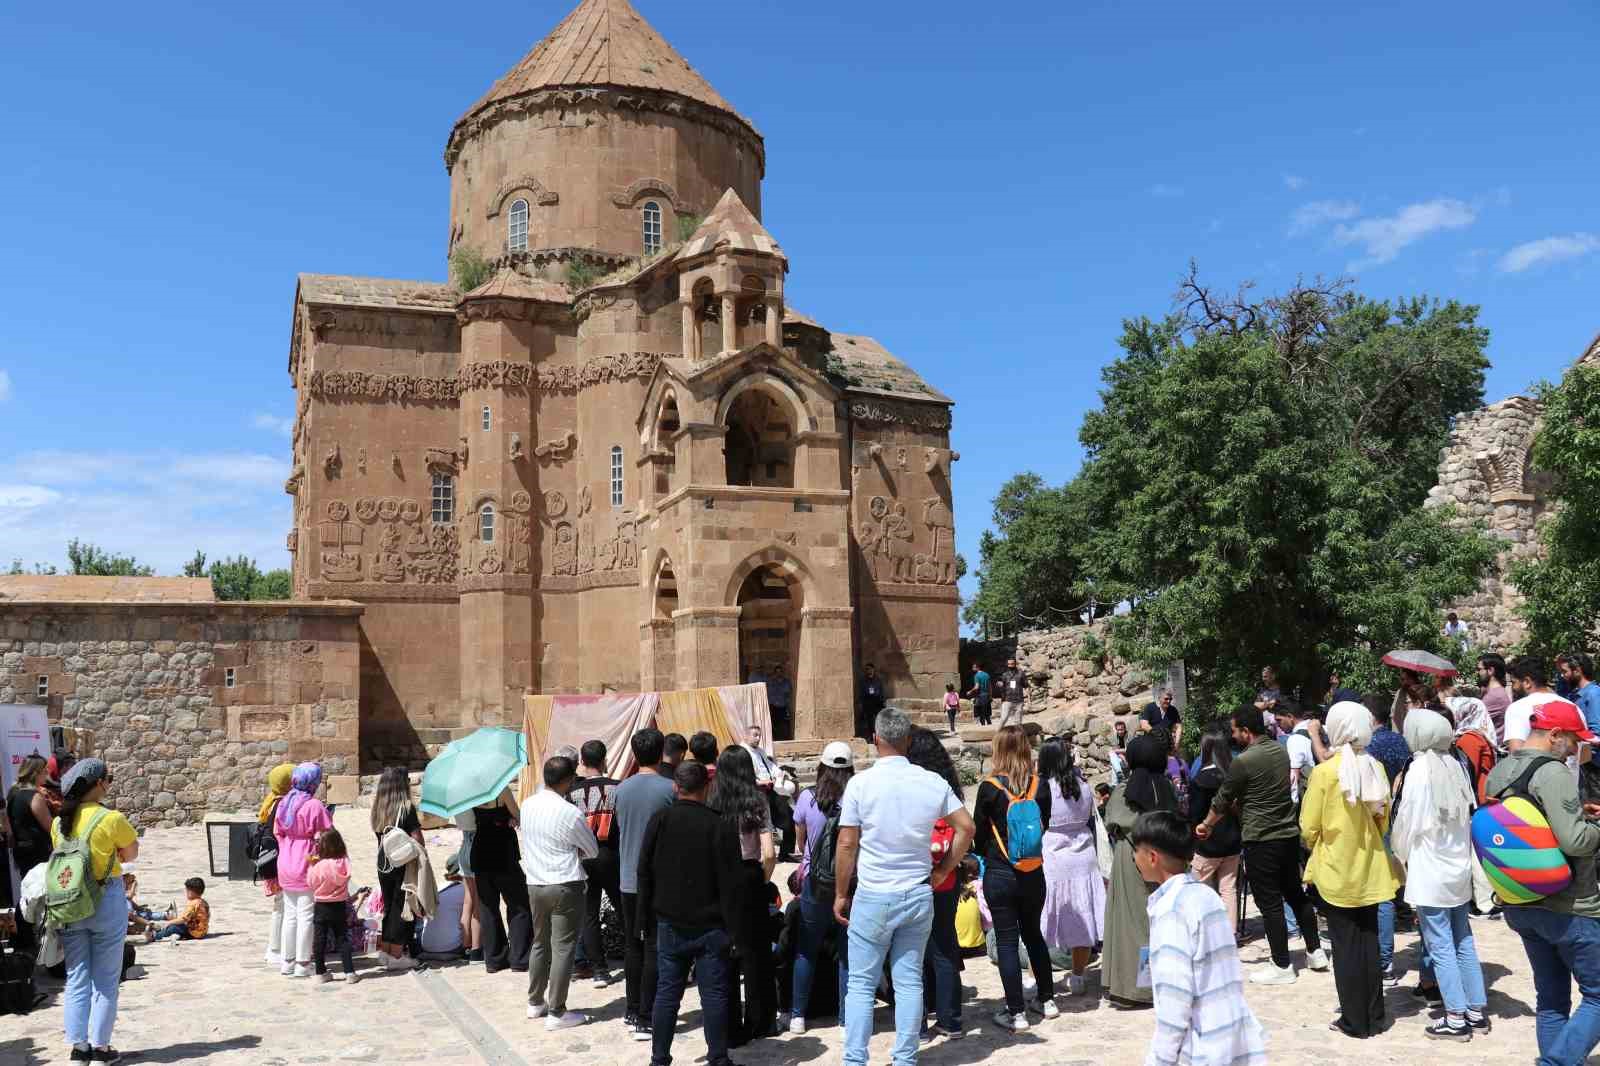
(558,450)
(597,579)
(499,373)
(888,542)
(917,416)
(648,187)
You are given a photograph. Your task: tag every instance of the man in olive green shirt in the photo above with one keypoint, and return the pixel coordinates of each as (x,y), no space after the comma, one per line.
(1257,788)
(1560,932)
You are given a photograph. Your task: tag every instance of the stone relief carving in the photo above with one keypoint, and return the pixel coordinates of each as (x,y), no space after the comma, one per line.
(361,461)
(444,460)
(645,186)
(432,554)
(564,559)
(937,567)
(370,509)
(537,193)
(888,542)
(331,462)
(559,450)
(555,504)
(938,460)
(901,459)
(388,564)
(516,448)
(500,373)
(297,477)
(519,533)
(917,416)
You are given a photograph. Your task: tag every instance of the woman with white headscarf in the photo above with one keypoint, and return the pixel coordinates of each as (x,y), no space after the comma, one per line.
(1342,820)
(1432,835)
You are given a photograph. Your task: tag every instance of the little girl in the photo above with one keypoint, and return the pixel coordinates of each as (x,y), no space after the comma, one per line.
(952,705)
(328,875)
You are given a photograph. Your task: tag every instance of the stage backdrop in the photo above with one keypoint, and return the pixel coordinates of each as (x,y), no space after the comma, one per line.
(553,722)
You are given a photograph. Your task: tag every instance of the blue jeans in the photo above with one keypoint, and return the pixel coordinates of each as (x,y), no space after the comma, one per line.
(1454,957)
(816,922)
(677,949)
(175,929)
(1561,948)
(941,964)
(94,968)
(1386,935)
(893,925)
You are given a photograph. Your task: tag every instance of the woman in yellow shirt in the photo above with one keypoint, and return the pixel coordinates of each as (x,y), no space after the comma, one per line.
(94,945)
(1343,817)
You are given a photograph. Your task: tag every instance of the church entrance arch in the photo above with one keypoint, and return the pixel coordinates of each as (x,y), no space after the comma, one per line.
(760,443)
(770,602)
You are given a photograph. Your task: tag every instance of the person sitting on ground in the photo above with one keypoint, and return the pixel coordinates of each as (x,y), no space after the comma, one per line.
(140,917)
(1201,1014)
(441,938)
(194,922)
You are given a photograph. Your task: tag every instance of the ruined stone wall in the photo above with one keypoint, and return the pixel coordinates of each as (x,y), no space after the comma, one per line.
(151,683)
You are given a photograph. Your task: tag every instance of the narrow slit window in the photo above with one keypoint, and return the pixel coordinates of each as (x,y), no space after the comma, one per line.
(616,475)
(517,227)
(488,418)
(652,228)
(486,524)
(229,678)
(444,499)
(42,689)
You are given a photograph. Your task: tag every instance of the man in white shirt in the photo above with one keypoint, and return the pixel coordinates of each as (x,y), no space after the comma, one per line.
(771,780)
(1530,684)
(555,840)
(1454,627)
(1297,722)
(885,826)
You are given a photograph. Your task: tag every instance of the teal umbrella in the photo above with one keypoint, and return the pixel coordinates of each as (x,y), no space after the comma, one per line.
(472,771)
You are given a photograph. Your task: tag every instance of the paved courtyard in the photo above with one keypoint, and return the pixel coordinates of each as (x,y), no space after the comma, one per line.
(215,1002)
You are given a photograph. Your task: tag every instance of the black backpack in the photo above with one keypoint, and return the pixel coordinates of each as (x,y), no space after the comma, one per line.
(262,848)
(17,992)
(823,849)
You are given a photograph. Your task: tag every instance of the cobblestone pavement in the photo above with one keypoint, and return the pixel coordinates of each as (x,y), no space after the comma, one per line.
(215,1002)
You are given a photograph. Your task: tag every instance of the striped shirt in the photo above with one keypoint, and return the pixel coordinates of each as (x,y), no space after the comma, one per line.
(555,839)
(1201,1016)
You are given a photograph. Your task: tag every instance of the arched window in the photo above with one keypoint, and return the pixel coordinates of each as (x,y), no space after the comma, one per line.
(488,419)
(517,227)
(444,499)
(616,475)
(652,228)
(486,524)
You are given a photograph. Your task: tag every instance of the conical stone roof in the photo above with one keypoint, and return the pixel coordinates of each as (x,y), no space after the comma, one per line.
(605,42)
(730,223)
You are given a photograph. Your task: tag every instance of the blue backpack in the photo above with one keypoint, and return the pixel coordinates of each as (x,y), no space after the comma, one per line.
(1024,827)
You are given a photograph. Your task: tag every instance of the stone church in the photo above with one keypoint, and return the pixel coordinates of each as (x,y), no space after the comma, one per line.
(622,461)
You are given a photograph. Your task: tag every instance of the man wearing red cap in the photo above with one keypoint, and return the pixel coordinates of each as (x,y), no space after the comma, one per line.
(1560,932)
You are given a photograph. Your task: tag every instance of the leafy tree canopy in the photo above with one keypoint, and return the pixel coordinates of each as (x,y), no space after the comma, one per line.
(94,561)
(1253,486)
(1562,589)
(240,579)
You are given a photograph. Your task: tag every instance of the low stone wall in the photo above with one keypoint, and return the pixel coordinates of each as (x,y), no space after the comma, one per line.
(191,704)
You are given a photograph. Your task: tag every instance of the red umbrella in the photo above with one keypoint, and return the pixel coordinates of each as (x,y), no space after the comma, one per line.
(1421,662)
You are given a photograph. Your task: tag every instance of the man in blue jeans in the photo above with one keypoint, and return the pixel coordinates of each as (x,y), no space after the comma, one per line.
(689,871)
(1560,932)
(885,853)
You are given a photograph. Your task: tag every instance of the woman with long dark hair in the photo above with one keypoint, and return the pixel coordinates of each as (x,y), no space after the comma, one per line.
(1074,892)
(941,962)
(300,818)
(1127,920)
(93,946)
(1013,882)
(1216,856)
(742,805)
(818,930)
(392,807)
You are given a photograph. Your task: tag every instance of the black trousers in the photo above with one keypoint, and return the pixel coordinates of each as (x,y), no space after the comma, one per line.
(1016,902)
(604,876)
(755,1013)
(507,941)
(782,821)
(1353,933)
(330,928)
(1272,867)
(639,963)
(983,711)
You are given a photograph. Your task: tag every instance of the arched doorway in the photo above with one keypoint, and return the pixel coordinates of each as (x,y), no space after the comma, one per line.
(759,447)
(658,666)
(770,602)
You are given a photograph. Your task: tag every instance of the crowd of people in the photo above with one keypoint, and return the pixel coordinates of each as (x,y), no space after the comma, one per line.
(1342,817)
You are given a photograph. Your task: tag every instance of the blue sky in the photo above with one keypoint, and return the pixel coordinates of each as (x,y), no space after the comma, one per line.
(987,190)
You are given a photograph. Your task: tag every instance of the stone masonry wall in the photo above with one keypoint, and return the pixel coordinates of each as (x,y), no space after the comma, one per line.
(150,683)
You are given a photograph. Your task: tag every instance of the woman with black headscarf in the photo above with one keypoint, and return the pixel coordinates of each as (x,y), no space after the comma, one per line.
(1127,921)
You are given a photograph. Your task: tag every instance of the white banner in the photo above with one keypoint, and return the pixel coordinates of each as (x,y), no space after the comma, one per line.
(24,731)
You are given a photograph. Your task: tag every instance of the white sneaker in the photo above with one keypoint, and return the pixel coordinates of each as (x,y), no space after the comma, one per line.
(302,970)
(287,969)
(324,978)
(1318,961)
(273,958)
(1029,985)
(1268,974)
(602,980)
(1016,1023)
(1046,1007)
(570,1020)
(797,1025)
(1076,986)
(352,977)
(536,1010)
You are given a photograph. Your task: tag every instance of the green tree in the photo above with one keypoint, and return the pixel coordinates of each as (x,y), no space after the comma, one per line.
(239,578)
(1561,589)
(38,568)
(1030,565)
(94,561)
(195,567)
(272,585)
(1255,476)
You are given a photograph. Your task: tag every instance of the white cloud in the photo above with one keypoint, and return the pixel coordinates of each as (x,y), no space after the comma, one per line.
(1294,182)
(5,386)
(1548,250)
(1385,236)
(1318,213)
(157,506)
(1166,191)
(273,424)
